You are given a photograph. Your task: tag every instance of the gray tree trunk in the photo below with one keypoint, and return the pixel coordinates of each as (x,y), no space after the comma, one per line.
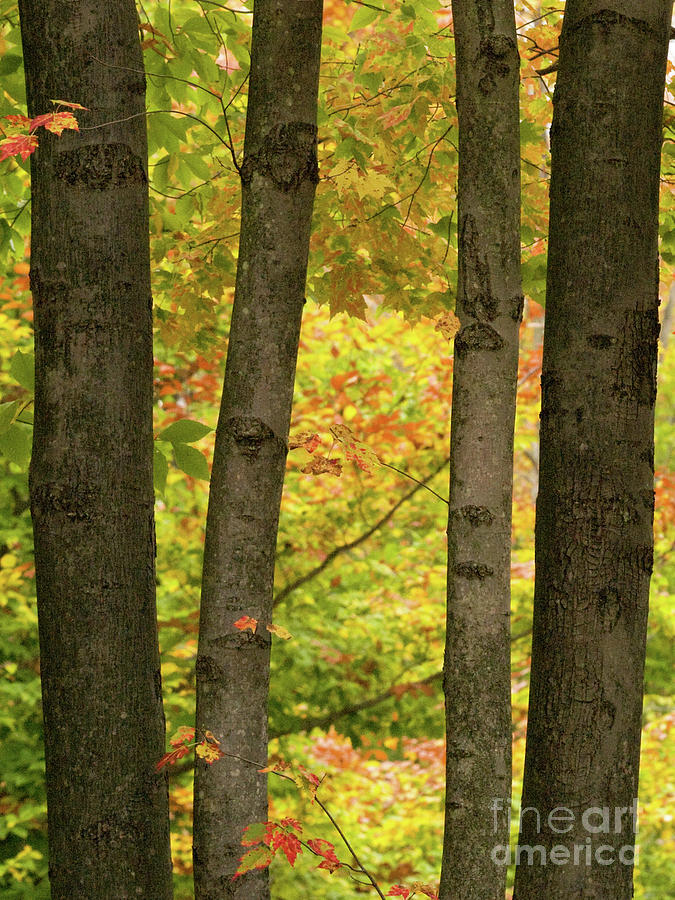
(594,512)
(91,472)
(477,681)
(279,175)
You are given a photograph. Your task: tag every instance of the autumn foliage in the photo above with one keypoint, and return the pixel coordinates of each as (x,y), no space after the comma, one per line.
(360,568)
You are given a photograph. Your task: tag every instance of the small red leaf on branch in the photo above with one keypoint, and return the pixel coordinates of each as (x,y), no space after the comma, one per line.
(55,122)
(23,144)
(327,851)
(246,622)
(173,756)
(21,121)
(355,450)
(281,837)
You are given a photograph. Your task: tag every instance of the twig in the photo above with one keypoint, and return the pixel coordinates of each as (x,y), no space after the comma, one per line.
(412,478)
(350,545)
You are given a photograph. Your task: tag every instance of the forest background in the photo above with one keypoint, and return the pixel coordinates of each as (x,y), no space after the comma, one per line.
(356,691)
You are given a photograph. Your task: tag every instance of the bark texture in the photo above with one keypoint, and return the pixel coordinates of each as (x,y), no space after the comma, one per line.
(476,679)
(91,471)
(278,176)
(595,507)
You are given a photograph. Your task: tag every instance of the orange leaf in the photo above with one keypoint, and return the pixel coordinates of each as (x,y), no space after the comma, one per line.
(173,756)
(305,439)
(246,622)
(320,465)
(448,324)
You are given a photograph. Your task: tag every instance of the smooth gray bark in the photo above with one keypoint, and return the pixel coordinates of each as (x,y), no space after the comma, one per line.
(91,472)
(477,674)
(279,176)
(594,544)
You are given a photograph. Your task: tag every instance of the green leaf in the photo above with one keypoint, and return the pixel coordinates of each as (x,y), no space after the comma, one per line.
(22,368)
(9,64)
(185,431)
(191,461)
(160,470)
(257,858)
(16,444)
(7,413)
(363,16)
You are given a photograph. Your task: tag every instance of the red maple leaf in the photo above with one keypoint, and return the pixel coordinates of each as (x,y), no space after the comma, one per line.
(173,756)
(327,851)
(281,837)
(24,144)
(23,121)
(246,622)
(55,122)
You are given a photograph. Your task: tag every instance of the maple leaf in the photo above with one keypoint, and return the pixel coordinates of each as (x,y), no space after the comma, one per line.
(426,889)
(56,122)
(305,439)
(320,465)
(280,632)
(282,838)
(209,751)
(183,735)
(448,324)
(24,144)
(327,851)
(355,450)
(173,756)
(399,890)
(279,766)
(258,858)
(68,104)
(254,834)
(22,121)
(246,622)
(306,776)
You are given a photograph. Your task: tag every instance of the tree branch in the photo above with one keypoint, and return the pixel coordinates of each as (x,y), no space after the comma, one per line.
(344,548)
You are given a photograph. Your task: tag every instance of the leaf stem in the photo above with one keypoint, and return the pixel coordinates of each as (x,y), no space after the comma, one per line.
(412,478)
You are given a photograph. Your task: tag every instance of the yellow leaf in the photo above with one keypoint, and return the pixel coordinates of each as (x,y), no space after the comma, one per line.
(280,632)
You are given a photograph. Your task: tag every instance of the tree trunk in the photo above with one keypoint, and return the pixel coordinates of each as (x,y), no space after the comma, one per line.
(477,680)
(278,175)
(91,473)
(595,507)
